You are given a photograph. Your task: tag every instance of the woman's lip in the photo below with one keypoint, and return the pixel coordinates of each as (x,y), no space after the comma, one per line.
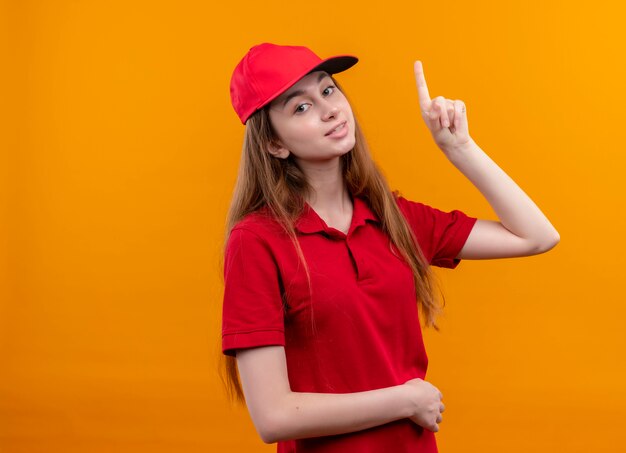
(343,129)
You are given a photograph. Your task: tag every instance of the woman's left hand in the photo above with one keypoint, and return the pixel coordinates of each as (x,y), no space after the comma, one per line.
(446,119)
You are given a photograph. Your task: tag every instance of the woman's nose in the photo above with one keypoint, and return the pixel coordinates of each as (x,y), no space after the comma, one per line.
(331,112)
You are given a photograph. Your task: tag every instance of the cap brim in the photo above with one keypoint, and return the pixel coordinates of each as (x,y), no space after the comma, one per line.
(336,64)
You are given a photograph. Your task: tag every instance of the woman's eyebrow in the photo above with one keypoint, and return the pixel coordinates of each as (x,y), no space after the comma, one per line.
(293,94)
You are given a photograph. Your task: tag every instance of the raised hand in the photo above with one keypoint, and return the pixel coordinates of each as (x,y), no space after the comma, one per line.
(446,119)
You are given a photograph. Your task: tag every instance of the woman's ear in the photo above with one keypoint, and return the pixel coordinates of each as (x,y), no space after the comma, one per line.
(277,150)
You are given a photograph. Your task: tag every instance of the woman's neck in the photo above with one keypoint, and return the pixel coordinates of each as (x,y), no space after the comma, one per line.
(329,196)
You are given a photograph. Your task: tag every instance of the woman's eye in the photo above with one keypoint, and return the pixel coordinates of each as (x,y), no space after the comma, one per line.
(328,90)
(302,108)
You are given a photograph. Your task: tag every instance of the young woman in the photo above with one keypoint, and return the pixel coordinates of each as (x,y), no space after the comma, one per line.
(325,267)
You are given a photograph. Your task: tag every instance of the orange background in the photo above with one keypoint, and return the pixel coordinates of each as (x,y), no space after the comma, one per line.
(120,153)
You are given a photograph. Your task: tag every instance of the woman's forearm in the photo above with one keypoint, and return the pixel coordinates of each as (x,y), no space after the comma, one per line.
(280,414)
(515,210)
(302,415)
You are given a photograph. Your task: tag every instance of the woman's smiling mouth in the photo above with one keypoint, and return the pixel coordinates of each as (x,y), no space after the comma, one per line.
(339,131)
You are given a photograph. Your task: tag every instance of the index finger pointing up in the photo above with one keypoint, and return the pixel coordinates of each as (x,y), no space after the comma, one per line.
(422,88)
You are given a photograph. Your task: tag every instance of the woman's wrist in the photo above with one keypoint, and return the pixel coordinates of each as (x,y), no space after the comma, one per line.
(458,152)
(408,406)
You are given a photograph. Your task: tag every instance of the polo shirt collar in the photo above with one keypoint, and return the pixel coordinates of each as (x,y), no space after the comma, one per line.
(310,222)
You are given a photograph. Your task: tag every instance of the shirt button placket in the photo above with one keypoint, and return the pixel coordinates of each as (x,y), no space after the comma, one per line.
(358,264)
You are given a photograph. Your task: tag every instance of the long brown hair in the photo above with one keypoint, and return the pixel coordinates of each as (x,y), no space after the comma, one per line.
(279,184)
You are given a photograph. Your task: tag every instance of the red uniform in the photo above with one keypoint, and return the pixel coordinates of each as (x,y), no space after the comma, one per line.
(356,328)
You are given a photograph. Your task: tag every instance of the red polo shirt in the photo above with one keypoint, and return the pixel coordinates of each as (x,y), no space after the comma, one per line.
(357,328)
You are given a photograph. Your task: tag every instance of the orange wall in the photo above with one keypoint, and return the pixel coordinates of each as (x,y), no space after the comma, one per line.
(121,162)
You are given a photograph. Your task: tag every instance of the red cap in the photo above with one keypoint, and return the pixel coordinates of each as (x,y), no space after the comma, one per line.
(268,70)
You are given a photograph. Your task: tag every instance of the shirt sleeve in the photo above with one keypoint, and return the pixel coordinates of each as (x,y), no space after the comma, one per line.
(441,235)
(252,310)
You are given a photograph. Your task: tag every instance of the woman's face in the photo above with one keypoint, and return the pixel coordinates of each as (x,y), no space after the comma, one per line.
(312,120)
